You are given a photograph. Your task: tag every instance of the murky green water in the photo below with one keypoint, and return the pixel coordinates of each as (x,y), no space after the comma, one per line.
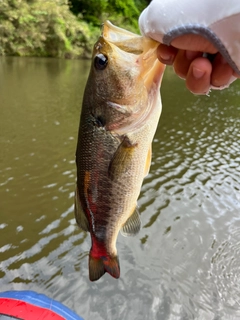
(185,262)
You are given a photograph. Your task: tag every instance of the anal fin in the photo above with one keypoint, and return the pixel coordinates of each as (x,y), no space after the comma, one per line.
(133,225)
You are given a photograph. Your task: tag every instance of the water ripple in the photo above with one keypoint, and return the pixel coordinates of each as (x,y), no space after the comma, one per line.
(184,263)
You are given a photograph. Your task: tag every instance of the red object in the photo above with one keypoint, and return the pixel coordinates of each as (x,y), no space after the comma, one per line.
(26,311)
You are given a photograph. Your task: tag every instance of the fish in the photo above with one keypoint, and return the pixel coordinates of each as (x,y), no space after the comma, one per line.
(120,112)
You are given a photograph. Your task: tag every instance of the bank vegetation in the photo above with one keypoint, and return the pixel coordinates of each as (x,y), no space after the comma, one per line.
(61,28)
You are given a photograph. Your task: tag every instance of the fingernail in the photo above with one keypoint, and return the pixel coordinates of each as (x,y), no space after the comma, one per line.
(198,73)
(166,58)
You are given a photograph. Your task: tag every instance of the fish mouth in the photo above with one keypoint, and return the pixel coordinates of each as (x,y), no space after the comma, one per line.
(145,49)
(123,39)
(143,57)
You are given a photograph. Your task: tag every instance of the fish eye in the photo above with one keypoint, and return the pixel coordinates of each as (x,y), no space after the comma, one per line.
(100,61)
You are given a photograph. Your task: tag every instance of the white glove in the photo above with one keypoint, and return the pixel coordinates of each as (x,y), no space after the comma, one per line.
(216,20)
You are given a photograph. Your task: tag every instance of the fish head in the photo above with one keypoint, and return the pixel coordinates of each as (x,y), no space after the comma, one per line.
(124,80)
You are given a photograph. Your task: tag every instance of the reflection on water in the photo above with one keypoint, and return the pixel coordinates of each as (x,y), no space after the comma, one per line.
(184,264)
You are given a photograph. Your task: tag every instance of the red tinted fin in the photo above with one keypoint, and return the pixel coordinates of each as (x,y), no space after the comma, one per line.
(99,265)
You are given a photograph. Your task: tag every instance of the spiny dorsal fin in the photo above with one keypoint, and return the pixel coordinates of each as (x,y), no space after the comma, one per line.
(133,225)
(79,213)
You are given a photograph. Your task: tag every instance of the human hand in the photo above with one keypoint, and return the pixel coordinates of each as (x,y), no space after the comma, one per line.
(187,31)
(201,74)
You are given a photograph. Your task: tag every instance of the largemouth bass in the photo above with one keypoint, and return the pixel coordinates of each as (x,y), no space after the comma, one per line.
(120,112)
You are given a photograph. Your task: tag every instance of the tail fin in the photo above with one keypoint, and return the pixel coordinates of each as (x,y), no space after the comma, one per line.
(99,265)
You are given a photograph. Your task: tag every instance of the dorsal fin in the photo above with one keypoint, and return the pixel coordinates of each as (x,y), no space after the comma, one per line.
(133,225)
(79,213)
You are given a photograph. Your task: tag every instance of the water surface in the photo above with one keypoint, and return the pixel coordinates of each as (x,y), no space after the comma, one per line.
(184,263)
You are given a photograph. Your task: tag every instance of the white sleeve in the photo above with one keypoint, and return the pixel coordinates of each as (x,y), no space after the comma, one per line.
(216,20)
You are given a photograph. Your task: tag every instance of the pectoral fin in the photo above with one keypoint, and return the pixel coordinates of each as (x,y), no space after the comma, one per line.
(133,225)
(79,213)
(148,161)
(122,159)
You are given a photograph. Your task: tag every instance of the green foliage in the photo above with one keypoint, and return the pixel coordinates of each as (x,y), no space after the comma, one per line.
(43,28)
(49,28)
(123,13)
(90,10)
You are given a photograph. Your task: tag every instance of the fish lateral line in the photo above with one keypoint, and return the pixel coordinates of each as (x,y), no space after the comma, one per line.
(88,199)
